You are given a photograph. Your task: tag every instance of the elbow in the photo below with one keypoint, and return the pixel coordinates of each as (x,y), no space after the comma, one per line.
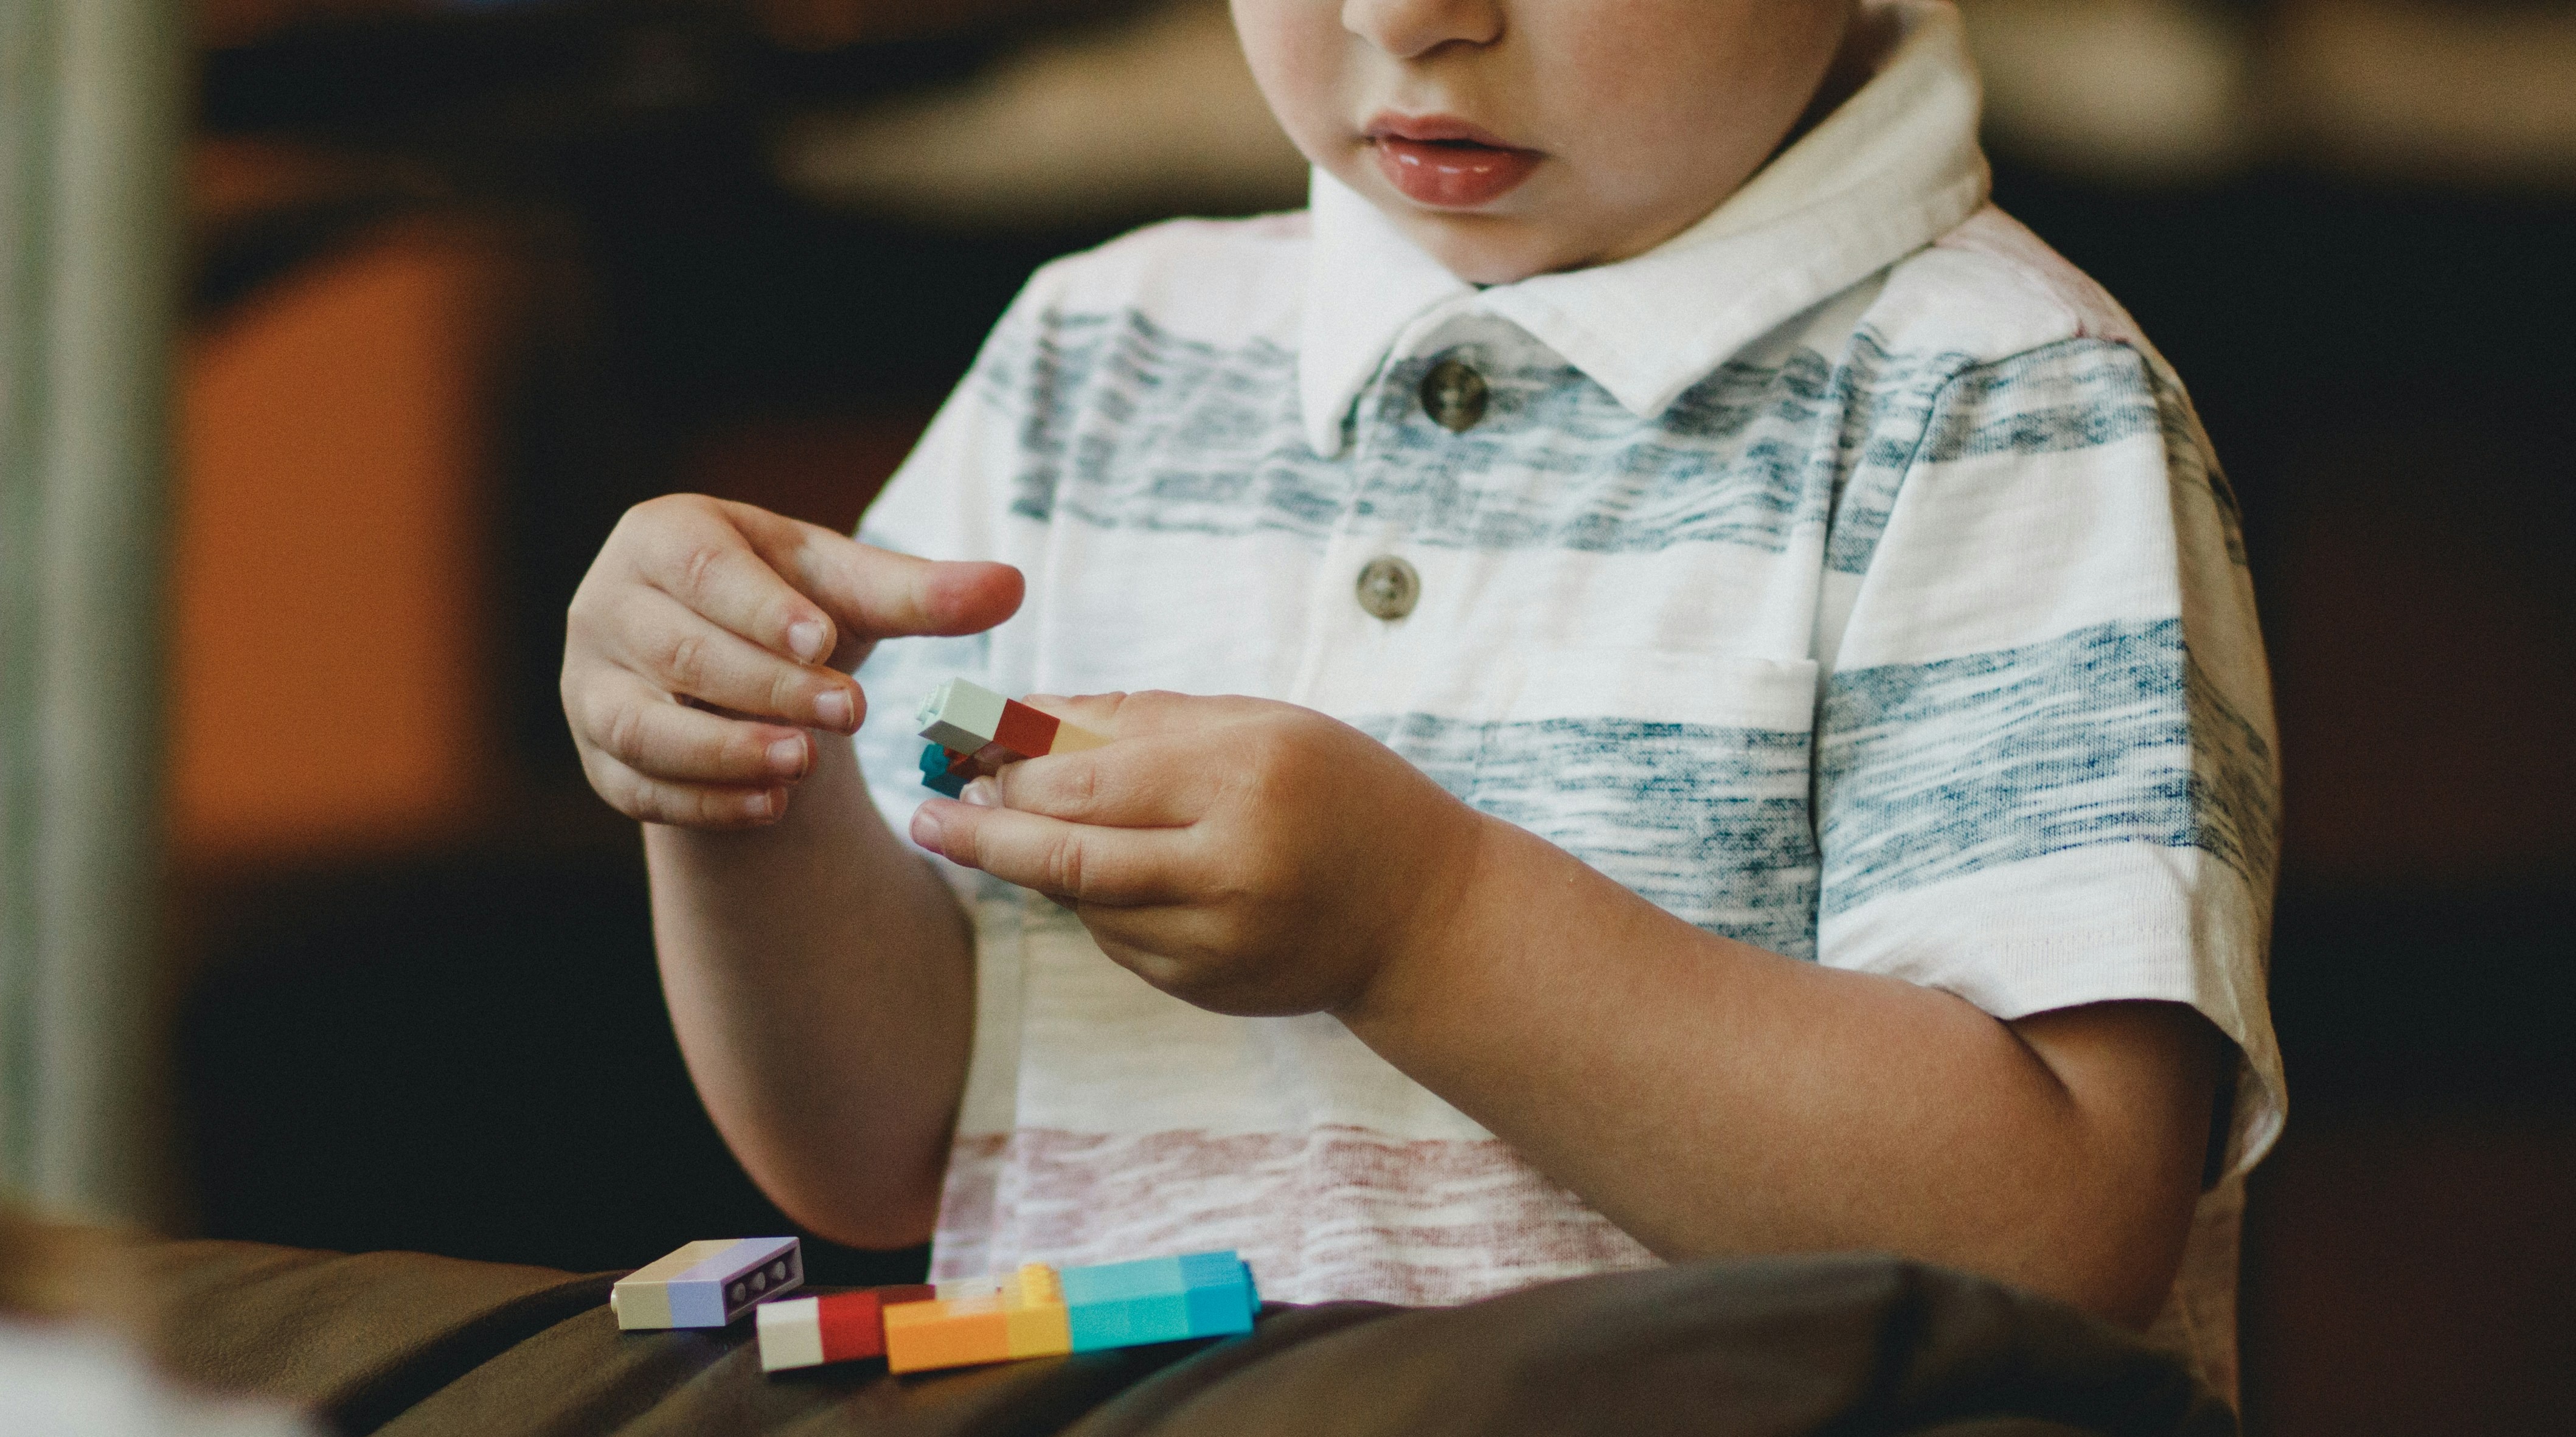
(2126,1294)
(878,1222)
(876,1207)
(2118,1266)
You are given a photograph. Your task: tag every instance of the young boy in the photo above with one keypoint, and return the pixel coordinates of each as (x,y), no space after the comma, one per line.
(1714,707)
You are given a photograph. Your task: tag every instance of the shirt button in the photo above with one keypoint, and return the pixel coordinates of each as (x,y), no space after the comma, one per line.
(1454,394)
(1389,587)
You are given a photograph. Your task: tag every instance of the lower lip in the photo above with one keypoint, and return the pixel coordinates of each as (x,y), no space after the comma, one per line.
(1452,177)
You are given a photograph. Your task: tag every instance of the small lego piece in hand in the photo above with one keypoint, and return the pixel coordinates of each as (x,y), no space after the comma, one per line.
(707,1284)
(835,1327)
(978,731)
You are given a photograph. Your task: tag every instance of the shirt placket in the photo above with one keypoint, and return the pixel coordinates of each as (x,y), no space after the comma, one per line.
(1366,626)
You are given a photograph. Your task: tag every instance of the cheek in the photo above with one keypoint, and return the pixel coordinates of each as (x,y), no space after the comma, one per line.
(1297,50)
(1706,88)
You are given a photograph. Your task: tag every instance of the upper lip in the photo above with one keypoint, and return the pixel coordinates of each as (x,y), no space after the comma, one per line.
(1431,129)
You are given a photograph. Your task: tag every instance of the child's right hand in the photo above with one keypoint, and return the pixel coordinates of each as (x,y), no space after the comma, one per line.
(709,636)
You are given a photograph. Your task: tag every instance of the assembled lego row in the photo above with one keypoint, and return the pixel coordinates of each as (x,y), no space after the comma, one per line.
(973,731)
(1035,1312)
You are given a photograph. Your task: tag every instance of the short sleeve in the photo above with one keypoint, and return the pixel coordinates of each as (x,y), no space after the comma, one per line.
(2045,756)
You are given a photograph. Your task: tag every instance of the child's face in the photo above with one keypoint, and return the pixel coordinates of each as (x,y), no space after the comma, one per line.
(1514,137)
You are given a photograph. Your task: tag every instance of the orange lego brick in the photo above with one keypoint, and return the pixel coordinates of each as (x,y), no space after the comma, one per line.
(1022,1317)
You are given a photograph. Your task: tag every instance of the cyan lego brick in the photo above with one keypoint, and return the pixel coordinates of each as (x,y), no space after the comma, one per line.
(1128,1321)
(1221,1306)
(1118,1281)
(1162,1299)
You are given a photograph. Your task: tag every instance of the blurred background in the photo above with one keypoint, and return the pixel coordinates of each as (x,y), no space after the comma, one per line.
(462,279)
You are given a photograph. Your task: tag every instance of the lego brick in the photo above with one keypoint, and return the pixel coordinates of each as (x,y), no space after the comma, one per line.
(1220,1294)
(836,1327)
(987,1320)
(707,1284)
(1163,1299)
(960,715)
(1039,1325)
(1069,739)
(945,770)
(1025,731)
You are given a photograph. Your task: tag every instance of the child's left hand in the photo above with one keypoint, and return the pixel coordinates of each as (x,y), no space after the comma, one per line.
(1246,856)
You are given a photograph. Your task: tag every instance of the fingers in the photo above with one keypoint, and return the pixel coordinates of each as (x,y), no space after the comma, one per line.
(876,593)
(801,591)
(683,653)
(1113,867)
(1134,783)
(629,721)
(1150,712)
(701,553)
(689,805)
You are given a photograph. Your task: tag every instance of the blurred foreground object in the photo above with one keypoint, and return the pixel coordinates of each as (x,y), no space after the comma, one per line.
(328,675)
(90,115)
(2478,94)
(75,1322)
(1154,115)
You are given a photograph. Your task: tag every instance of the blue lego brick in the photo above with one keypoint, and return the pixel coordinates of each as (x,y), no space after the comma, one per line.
(934,759)
(707,1284)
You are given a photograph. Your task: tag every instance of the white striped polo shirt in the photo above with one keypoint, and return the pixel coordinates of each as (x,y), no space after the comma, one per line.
(1846,576)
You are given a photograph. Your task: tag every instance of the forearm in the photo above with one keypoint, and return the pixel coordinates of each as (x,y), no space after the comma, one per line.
(1713,1098)
(820,977)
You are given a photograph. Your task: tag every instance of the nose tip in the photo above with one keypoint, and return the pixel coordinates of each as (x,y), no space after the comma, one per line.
(1411,29)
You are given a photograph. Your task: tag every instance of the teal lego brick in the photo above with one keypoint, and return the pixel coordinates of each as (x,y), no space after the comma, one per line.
(1162,1299)
(1129,1321)
(1221,1300)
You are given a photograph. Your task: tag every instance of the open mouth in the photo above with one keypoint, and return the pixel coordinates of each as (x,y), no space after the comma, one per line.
(1447,163)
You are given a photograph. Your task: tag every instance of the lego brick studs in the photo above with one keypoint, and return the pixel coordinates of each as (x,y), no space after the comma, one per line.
(707,1284)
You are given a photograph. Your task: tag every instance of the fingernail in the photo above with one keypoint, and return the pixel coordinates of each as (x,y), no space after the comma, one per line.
(805,640)
(833,708)
(925,829)
(759,805)
(983,793)
(788,755)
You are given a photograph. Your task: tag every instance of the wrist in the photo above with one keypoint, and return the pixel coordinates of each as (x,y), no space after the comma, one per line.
(1438,931)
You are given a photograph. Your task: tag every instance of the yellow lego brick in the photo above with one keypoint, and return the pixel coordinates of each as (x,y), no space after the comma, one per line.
(1069,739)
(1039,1325)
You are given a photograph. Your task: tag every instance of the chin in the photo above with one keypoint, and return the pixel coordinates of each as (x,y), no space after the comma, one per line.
(1488,249)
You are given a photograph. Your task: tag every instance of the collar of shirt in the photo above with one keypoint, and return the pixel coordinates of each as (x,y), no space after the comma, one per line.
(1891,170)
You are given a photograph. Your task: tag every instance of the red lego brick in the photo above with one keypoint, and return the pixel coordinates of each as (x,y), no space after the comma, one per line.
(1025,731)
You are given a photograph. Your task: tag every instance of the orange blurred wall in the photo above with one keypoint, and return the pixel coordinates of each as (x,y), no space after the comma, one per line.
(328,653)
